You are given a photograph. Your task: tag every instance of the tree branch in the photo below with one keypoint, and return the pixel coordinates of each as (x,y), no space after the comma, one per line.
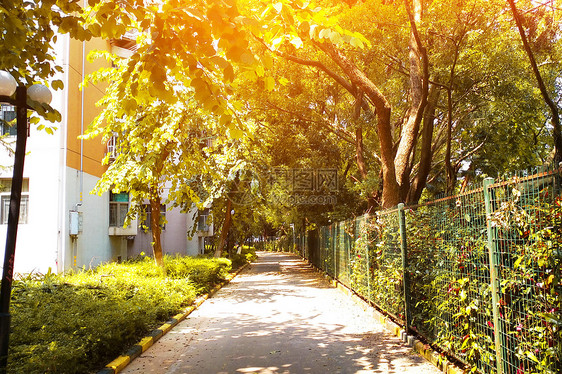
(473,151)
(338,131)
(317,64)
(553,108)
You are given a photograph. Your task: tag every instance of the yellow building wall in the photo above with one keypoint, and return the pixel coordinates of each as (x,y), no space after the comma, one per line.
(93,149)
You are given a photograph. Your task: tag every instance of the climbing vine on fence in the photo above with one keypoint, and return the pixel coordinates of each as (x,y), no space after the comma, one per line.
(480,277)
(530,241)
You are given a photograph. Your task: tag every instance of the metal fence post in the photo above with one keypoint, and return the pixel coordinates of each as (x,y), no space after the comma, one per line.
(405,273)
(348,246)
(338,251)
(492,249)
(365,231)
(334,233)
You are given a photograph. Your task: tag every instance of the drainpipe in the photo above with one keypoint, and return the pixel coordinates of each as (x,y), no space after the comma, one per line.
(82,120)
(81,188)
(63,229)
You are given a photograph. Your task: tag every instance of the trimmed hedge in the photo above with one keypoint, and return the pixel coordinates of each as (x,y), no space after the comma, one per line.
(247,254)
(76,323)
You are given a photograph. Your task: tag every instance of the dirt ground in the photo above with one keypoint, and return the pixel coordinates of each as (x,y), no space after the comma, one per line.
(279,317)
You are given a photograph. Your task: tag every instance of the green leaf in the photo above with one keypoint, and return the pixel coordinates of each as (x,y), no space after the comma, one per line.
(532,356)
(518,262)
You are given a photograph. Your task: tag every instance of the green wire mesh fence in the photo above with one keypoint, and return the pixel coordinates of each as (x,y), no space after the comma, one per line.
(477,275)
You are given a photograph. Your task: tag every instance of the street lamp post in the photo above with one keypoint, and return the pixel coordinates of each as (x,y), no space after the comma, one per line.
(41,94)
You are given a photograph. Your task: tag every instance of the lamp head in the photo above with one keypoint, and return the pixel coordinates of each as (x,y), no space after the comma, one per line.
(8,83)
(40,93)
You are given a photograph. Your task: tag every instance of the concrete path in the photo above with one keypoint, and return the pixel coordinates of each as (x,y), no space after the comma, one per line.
(279,317)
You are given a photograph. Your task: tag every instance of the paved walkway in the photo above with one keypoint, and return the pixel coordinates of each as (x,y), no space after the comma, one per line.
(279,317)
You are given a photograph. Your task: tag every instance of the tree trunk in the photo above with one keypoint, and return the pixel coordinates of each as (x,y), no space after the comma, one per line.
(361,165)
(449,168)
(154,199)
(390,196)
(155,227)
(418,93)
(467,178)
(359,155)
(551,104)
(426,153)
(225,229)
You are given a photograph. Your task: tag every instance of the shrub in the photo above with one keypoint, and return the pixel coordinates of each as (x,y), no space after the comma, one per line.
(203,273)
(246,255)
(78,322)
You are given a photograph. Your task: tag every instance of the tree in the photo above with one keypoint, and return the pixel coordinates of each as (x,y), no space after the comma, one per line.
(176,51)
(553,107)
(428,100)
(157,144)
(26,43)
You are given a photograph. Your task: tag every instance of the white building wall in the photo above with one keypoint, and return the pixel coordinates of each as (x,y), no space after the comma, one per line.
(93,245)
(36,245)
(194,245)
(174,237)
(55,189)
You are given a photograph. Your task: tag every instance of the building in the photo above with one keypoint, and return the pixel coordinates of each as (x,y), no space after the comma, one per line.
(63,226)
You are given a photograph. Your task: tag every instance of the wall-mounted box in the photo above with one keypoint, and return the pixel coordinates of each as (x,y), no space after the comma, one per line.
(75,222)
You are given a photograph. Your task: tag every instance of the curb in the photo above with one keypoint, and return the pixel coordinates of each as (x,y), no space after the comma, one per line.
(122,361)
(424,350)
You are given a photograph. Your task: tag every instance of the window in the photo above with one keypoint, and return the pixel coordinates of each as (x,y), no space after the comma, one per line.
(118,208)
(5,190)
(202,223)
(112,148)
(207,142)
(7,115)
(148,214)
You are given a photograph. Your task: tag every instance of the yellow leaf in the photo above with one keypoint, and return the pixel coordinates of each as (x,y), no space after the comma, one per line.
(229,73)
(304,27)
(260,70)
(267,61)
(269,83)
(325,33)
(297,42)
(356,42)
(225,120)
(247,58)
(277,41)
(336,38)
(278,7)
(235,133)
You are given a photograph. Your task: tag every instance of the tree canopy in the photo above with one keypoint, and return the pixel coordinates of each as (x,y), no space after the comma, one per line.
(404,99)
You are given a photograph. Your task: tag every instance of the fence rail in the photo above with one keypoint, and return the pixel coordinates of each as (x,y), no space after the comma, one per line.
(478,274)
